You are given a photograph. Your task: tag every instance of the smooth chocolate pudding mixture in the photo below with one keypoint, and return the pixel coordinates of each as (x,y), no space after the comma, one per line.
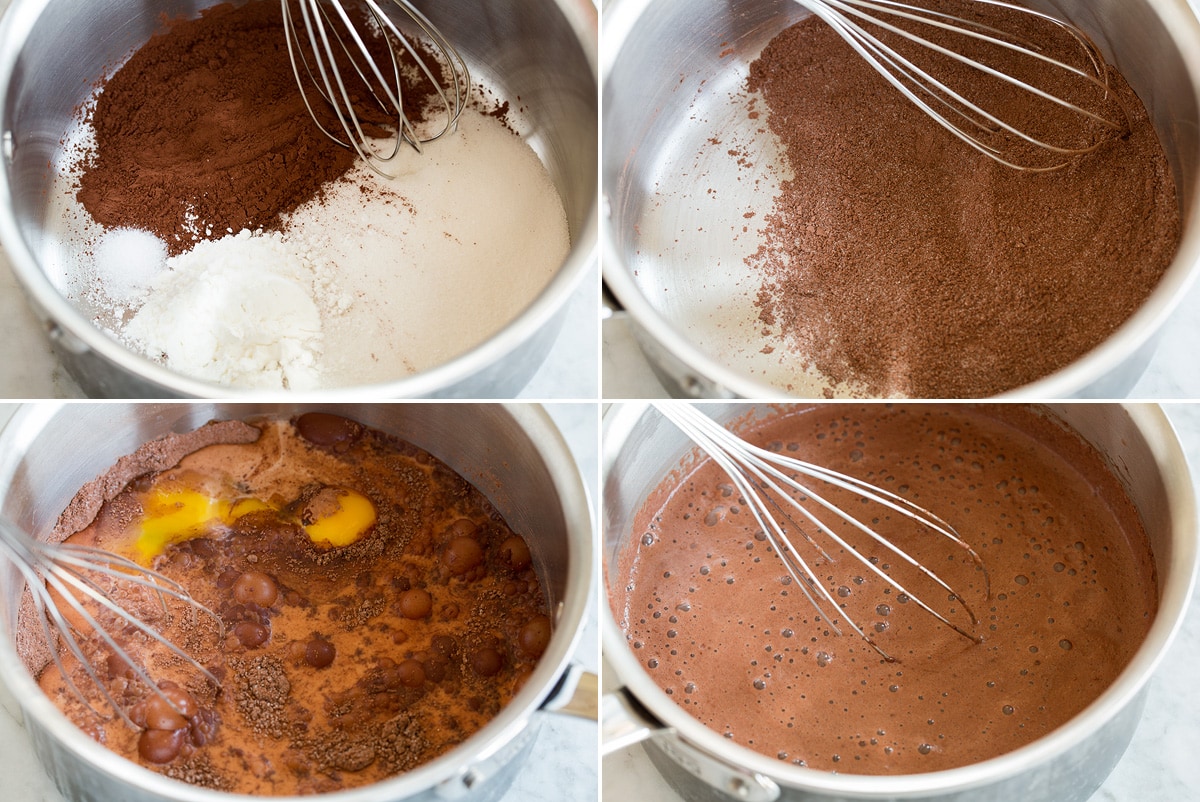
(711,615)
(900,262)
(376,609)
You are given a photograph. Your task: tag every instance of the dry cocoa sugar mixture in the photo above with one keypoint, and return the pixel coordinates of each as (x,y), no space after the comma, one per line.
(901,260)
(375,609)
(205,132)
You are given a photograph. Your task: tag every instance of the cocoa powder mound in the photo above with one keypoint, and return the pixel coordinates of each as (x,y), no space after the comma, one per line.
(203,131)
(907,264)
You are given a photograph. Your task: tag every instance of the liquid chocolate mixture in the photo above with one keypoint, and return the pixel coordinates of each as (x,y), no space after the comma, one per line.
(900,262)
(711,614)
(375,608)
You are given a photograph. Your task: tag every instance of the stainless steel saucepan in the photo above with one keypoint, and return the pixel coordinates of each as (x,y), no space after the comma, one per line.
(1067,765)
(674,73)
(512,453)
(53,51)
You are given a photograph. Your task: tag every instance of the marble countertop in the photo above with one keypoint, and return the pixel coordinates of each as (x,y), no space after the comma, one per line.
(1160,763)
(563,765)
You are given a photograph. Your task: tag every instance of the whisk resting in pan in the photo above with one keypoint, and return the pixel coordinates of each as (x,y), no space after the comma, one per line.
(331,55)
(895,39)
(64,582)
(781,493)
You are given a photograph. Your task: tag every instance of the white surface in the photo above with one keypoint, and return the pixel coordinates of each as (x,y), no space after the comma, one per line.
(563,765)
(1160,763)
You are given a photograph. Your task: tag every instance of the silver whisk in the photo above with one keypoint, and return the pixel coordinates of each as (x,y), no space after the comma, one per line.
(329,52)
(773,487)
(964,112)
(69,571)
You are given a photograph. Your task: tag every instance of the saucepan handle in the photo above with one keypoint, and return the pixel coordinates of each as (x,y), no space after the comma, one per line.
(575,694)
(627,722)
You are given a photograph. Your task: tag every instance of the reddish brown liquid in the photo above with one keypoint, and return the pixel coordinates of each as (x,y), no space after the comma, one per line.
(339,666)
(712,616)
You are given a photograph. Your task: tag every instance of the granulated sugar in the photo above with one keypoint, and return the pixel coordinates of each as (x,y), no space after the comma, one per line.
(438,259)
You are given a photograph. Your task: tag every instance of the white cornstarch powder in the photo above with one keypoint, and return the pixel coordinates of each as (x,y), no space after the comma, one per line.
(376,280)
(241,310)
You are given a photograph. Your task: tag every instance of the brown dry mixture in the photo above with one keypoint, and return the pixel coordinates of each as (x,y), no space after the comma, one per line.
(907,264)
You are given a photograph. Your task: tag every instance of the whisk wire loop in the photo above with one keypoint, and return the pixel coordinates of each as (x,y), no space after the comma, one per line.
(762,478)
(797,567)
(969,117)
(323,33)
(330,33)
(449,55)
(65,571)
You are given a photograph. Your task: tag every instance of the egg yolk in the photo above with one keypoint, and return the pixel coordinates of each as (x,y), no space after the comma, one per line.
(173,513)
(339,517)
